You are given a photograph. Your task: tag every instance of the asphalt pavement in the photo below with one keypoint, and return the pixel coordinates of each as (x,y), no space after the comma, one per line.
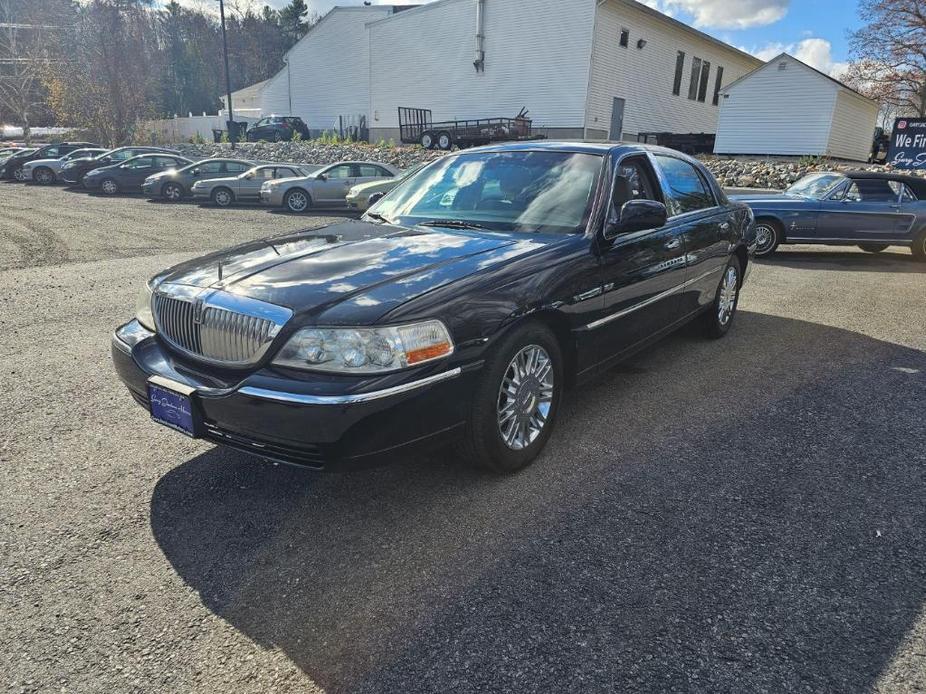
(745,515)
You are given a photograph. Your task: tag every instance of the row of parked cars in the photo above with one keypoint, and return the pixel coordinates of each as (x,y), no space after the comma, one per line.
(166,174)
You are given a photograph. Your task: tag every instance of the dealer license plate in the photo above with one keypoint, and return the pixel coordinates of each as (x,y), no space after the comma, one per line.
(173,408)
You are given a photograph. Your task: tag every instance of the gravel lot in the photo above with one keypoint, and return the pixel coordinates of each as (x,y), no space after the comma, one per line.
(737,516)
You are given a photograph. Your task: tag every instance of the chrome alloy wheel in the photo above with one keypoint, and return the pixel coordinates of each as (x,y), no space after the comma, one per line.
(172,192)
(765,238)
(297,201)
(728,291)
(222,198)
(44,176)
(109,187)
(525,397)
(20,175)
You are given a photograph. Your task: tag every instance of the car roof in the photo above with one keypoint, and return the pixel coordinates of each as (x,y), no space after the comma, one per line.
(599,148)
(916,184)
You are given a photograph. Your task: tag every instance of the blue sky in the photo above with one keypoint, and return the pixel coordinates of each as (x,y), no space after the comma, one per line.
(813,30)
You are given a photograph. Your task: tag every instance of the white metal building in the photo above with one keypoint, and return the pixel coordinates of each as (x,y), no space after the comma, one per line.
(788,108)
(596,69)
(327,73)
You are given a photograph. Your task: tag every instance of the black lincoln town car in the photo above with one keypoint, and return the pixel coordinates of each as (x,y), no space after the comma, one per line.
(458,309)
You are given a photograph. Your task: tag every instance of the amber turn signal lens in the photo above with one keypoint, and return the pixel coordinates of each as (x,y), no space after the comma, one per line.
(427,353)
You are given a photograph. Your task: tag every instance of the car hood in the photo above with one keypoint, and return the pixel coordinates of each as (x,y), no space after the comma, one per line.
(352,271)
(766,197)
(43,162)
(216,181)
(292,179)
(373,186)
(79,162)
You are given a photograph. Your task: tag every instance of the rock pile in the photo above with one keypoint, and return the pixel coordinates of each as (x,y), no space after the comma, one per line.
(740,173)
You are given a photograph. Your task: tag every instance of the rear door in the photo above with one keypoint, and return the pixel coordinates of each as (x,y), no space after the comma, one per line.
(642,271)
(133,173)
(705,225)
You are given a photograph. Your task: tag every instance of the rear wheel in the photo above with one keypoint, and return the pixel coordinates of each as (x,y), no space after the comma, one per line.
(516,401)
(720,317)
(222,197)
(43,175)
(276,136)
(20,175)
(297,201)
(109,186)
(872,247)
(444,141)
(172,192)
(768,237)
(427,140)
(919,247)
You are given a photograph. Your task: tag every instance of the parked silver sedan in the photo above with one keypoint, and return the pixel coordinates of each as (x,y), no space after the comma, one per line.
(45,171)
(244,188)
(327,187)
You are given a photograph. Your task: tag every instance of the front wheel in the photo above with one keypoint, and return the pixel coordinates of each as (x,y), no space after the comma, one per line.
(109,186)
(20,175)
(297,201)
(427,140)
(768,237)
(172,192)
(43,175)
(222,197)
(516,401)
(719,317)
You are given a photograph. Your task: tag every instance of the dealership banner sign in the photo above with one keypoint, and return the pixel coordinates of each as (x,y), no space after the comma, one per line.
(908,144)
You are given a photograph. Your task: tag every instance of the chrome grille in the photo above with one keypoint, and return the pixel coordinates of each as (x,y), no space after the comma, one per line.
(217,326)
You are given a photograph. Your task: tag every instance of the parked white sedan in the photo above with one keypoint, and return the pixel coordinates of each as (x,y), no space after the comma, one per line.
(45,171)
(327,187)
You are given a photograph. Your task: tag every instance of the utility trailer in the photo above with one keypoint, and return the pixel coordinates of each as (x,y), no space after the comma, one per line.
(416,126)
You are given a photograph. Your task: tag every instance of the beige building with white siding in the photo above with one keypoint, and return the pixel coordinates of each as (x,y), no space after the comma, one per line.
(788,108)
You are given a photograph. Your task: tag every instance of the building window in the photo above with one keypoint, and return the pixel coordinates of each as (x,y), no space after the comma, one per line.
(705,78)
(679,73)
(625,38)
(718,83)
(695,78)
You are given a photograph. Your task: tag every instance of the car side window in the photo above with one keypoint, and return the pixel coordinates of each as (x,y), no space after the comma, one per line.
(141,163)
(283,172)
(211,167)
(121,156)
(165,162)
(637,182)
(871,190)
(371,171)
(266,173)
(686,190)
(902,191)
(235,168)
(52,152)
(342,171)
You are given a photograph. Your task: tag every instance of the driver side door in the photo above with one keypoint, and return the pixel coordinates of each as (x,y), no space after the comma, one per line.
(338,181)
(862,210)
(134,172)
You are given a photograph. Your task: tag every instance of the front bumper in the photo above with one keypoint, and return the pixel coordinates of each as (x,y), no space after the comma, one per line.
(311,423)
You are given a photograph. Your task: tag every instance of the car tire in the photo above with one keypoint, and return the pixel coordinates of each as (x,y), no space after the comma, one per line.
(768,237)
(444,141)
(297,200)
(719,317)
(222,197)
(43,176)
(427,140)
(872,247)
(108,186)
(919,247)
(276,136)
(510,422)
(172,192)
(19,175)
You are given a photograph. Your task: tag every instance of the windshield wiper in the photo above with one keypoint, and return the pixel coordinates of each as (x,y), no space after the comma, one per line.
(452,224)
(379,218)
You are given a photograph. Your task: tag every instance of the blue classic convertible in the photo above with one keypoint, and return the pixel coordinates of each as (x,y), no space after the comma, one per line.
(869,210)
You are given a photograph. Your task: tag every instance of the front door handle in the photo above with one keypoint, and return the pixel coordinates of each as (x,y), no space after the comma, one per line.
(673,244)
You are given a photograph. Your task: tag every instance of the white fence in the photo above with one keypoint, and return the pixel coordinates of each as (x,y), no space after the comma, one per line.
(183,129)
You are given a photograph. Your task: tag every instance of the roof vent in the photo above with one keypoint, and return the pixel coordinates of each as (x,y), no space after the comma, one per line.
(782,66)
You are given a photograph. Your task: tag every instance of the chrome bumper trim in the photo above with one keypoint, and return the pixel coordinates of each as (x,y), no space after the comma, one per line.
(301,399)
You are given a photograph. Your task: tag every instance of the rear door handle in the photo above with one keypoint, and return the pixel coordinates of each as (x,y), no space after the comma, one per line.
(673,244)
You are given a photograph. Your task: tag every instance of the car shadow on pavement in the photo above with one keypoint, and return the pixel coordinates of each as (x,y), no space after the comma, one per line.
(741,515)
(895,259)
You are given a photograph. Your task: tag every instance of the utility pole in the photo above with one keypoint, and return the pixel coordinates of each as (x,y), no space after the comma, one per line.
(232,126)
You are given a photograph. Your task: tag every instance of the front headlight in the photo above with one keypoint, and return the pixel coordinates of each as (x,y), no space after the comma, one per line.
(366,350)
(143,313)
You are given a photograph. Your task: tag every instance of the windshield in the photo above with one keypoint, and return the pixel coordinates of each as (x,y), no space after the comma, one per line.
(816,185)
(502,191)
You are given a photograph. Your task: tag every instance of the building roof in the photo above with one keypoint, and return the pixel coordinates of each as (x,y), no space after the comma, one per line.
(778,57)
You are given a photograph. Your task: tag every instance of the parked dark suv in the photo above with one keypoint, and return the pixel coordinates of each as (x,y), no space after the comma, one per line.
(458,309)
(75,170)
(12,168)
(277,129)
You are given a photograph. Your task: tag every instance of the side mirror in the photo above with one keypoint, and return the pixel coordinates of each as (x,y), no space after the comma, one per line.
(194,172)
(638,215)
(375,198)
(322,177)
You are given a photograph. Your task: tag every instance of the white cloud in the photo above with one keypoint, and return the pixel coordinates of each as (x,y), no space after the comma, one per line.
(816,52)
(726,14)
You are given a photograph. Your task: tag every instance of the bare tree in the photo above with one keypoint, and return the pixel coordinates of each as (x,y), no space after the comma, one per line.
(23,60)
(889,55)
